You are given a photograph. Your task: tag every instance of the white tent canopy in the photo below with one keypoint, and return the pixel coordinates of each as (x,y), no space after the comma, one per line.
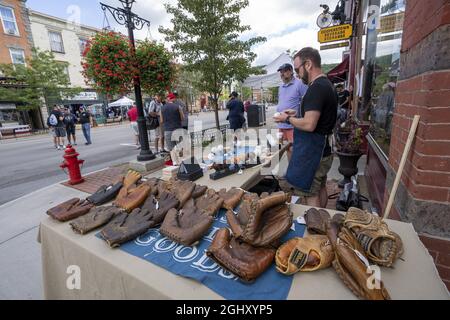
(123,102)
(272,77)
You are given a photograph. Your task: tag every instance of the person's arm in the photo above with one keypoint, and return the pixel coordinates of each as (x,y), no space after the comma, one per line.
(180,110)
(161,119)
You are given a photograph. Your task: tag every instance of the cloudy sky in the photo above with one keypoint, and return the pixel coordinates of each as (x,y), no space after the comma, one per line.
(287,24)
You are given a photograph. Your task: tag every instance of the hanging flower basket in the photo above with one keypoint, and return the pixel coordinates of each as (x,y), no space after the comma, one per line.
(107,63)
(156,69)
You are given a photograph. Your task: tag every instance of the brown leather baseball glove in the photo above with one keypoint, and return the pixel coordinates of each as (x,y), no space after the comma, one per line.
(260,222)
(159,208)
(70,209)
(231,198)
(351,265)
(181,189)
(317,221)
(96,218)
(311,253)
(186,226)
(132,197)
(240,258)
(126,227)
(380,245)
(131,178)
(199,191)
(209,203)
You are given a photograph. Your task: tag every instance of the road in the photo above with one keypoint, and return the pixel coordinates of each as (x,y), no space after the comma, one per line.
(31,163)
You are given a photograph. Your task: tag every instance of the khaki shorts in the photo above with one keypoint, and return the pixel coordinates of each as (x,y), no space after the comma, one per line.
(320,180)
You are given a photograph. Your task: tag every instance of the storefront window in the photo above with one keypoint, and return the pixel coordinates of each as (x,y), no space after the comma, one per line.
(385,72)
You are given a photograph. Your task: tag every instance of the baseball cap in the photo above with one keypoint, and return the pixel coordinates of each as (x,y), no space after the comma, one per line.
(171,96)
(285,66)
(233,94)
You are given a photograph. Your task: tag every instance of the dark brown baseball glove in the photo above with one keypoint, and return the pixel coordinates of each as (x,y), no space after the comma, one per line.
(159,208)
(231,198)
(70,209)
(317,221)
(240,258)
(96,218)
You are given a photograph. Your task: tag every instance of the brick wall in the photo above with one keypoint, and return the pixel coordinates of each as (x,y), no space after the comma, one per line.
(423,197)
(20,42)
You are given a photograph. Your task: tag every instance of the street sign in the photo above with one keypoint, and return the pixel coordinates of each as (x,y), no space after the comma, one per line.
(335,45)
(335,33)
(392,22)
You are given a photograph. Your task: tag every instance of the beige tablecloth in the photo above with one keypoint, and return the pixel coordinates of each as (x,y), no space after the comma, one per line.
(114,274)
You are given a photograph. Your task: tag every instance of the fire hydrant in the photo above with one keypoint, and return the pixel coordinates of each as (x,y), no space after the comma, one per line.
(72,163)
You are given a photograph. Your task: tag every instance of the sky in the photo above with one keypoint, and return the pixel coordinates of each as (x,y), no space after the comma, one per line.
(287,24)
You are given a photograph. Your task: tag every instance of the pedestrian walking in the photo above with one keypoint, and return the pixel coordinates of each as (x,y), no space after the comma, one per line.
(133,115)
(70,121)
(55,122)
(236,114)
(171,117)
(154,110)
(85,121)
(182,105)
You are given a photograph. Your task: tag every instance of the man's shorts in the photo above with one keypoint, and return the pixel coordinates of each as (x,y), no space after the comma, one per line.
(168,140)
(288,134)
(70,130)
(134,127)
(60,132)
(157,132)
(320,180)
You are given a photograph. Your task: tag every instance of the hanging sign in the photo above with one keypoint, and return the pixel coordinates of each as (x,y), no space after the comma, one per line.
(335,33)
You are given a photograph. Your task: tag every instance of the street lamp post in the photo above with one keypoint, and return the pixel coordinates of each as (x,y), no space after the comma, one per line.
(132,21)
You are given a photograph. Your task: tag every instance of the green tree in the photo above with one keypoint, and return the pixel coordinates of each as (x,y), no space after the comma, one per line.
(206,34)
(187,84)
(42,78)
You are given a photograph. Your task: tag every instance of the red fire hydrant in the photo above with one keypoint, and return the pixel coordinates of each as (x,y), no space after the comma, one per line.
(72,163)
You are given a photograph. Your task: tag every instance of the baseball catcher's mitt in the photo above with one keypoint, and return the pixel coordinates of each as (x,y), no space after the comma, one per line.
(132,197)
(126,227)
(231,198)
(317,221)
(351,265)
(380,245)
(159,208)
(105,193)
(260,222)
(311,253)
(187,225)
(70,209)
(96,218)
(240,258)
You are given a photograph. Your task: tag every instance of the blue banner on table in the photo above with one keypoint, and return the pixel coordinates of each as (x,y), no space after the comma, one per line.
(192,262)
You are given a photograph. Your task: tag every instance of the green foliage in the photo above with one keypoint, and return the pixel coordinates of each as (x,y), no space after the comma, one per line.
(206,36)
(43,77)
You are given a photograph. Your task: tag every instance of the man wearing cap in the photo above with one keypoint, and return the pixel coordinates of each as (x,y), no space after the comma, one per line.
(236,114)
(290,94)
(171,117)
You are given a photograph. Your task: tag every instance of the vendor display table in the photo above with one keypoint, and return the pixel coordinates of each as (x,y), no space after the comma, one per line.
(107,273)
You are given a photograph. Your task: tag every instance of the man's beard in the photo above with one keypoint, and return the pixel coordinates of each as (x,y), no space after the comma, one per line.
(305,77)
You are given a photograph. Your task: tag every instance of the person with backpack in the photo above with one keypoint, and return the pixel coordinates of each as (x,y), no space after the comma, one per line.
(69,121)
(85,120)
(56,124)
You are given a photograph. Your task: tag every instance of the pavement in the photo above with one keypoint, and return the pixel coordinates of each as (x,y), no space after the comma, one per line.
(20,256)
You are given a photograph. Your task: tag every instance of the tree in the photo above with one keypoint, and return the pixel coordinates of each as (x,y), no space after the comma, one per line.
(42,78)
(205,35)
(187,85)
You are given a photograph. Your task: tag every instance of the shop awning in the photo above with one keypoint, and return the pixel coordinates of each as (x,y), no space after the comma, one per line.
(339,73)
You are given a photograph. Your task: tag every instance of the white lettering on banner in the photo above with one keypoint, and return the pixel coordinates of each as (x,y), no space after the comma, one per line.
(74,280)
(210,236)
(159,245)
(205,264)
(147,239)
(191,256)
(227,275)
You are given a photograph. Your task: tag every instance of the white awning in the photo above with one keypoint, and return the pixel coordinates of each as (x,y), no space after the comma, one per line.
(123,102)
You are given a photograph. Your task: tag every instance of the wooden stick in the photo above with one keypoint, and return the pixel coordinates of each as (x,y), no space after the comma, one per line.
(412,132)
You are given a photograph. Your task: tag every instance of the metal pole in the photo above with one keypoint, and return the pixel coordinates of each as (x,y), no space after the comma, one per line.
(146,154)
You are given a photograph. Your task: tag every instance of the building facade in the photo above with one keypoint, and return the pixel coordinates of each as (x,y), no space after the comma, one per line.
(16,43)
(67,41)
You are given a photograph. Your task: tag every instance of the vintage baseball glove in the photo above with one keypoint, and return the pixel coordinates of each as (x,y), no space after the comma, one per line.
(380,245)
(231,198)
(240,258)
(260,222)
(106,193)
(126,227)
(153,183)
(351,265)
(132,197)
(96,218)
(187,225)
(182,189)
(70,209)
(131,178)
(209,203)
(311,253)
(317,221)
(159,208)
(199,191)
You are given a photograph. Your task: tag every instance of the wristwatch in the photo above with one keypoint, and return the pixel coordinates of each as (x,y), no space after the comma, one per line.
(287,120)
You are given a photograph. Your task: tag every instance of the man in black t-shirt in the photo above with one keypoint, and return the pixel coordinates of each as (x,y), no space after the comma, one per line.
(313,125)
(85,121)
